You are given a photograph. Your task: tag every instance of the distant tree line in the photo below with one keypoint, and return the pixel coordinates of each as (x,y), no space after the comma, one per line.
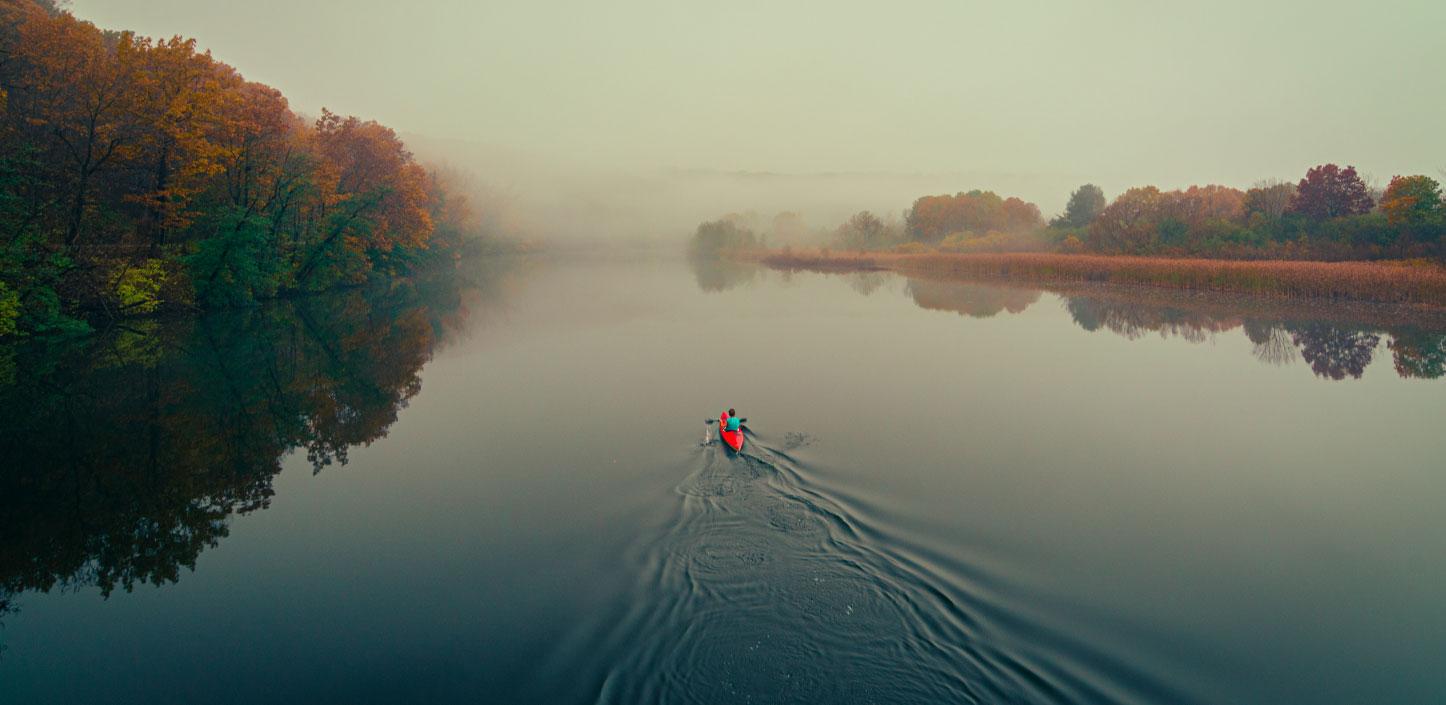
(138,173)
(744,231)
(1330,214)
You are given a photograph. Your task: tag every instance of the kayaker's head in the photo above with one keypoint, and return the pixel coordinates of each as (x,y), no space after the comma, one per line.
(732,412)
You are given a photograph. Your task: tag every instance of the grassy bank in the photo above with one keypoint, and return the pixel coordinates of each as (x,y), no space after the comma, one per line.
(1388,282)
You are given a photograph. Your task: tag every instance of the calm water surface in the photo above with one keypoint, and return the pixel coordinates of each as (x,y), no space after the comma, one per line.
(501,490)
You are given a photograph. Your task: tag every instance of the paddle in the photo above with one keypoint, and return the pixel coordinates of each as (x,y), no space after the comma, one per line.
(713,421)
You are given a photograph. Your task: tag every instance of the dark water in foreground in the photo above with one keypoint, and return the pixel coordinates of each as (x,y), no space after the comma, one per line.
(493,490)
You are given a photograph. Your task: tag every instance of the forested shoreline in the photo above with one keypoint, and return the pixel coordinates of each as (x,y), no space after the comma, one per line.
(140,175)
(1327,236)
(1330,214)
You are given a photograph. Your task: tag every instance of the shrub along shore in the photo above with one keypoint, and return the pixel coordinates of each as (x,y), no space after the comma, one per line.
(1400,282)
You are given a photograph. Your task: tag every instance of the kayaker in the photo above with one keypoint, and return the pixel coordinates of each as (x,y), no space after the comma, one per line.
(733,421)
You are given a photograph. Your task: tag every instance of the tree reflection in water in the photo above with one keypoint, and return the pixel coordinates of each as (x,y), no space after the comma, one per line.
(1273,344)
(1281,333)
(1419,354)
(715,274)
(970,299)
(1134,320)
(867,283)
(126,455)
(1333,351)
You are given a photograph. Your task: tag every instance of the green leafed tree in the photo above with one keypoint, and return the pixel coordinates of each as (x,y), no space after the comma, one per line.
(1412,199)
(9,310)
(713,237)
(1084,205)
(236,266)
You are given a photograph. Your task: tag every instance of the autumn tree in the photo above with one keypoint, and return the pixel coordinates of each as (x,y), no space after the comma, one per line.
(933,217)
(256,205)
(1270,199)
(1129,223)
(1147,220)
(930,217)
(377,202)
(1018,215)
(77,98)
(1198,205)
(1412,200)
(137,172)
(178,96)
(1328,191)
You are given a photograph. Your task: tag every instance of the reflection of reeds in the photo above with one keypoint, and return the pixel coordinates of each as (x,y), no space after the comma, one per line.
(1364,281)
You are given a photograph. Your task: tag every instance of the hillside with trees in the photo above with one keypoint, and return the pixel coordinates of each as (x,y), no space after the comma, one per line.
(141,174)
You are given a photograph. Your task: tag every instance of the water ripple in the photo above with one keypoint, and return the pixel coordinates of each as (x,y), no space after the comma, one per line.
(764,588)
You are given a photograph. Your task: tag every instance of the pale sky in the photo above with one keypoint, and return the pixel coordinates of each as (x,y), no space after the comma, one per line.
(1119,92)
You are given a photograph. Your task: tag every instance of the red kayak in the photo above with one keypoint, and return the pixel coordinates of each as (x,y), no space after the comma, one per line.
(734,439)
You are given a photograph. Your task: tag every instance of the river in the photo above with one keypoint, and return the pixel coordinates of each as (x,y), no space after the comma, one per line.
(499,487)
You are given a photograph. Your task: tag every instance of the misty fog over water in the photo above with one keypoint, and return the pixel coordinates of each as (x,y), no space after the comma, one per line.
(629,120)
(375,352)
(949,492)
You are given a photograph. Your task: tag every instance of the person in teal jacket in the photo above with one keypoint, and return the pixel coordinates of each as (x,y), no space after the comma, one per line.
(733,421)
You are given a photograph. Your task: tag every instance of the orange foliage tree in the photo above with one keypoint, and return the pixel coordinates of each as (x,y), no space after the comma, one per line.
(933,217)
(1412,199)
(131,165)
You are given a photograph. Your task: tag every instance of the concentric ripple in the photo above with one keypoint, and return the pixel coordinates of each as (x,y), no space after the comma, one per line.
(764,589)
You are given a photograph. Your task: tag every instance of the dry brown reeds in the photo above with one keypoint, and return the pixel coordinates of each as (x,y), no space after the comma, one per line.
(1389,282)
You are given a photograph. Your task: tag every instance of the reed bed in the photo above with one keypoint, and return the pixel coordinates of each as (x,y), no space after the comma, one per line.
(1387,282)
